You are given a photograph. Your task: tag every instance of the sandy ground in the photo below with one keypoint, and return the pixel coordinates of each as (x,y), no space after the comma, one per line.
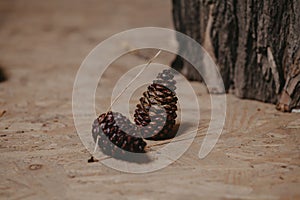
(42,44)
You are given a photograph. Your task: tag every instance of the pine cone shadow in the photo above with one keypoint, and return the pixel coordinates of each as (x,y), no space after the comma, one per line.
(121,154)
(141,158)
(174,133)
(2,75)
(127,156)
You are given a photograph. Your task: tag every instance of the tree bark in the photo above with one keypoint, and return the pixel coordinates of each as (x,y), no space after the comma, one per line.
(255,43)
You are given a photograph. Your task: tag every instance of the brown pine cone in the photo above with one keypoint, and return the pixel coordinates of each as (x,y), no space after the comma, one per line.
(159,104)
(112,128)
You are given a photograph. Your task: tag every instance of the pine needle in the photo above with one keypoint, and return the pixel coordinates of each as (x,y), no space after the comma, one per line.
(127,86)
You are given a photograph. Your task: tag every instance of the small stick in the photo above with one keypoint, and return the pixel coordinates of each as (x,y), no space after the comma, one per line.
(142,70)
(92,159)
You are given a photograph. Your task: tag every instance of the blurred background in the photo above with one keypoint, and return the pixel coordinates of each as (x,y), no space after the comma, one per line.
(55,34)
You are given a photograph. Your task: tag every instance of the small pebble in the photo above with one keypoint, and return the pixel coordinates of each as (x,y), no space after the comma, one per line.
(35,166)
(91,160)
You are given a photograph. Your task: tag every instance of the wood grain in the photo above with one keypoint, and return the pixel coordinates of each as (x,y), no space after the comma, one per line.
(42,45)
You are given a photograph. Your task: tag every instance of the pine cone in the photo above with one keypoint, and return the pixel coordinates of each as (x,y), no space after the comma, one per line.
(112,128)
(159,105)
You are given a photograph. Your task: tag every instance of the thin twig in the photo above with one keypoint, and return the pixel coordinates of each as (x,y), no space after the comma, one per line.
(175,140)
(96,146)
(142,70)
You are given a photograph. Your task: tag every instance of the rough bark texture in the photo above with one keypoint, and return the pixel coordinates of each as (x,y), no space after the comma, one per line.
(255,43)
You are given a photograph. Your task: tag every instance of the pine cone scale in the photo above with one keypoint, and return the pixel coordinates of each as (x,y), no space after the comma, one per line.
(158,115)
(111,129)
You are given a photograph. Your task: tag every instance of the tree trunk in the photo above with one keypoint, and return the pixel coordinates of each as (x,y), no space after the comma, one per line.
(255,43)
